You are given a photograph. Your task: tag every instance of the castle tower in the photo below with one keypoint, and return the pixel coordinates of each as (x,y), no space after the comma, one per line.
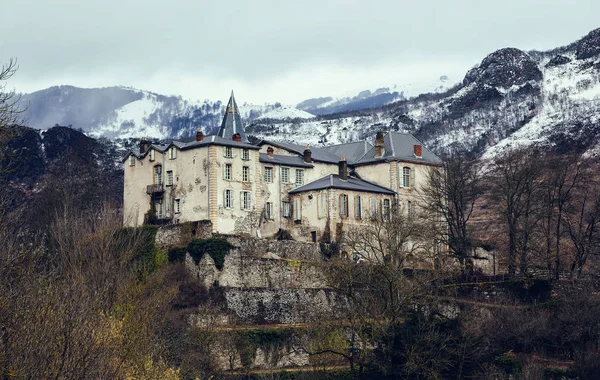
(232,122)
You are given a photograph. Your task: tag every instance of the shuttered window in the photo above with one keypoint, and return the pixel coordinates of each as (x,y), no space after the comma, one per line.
(228,198)
(158,175)
(322,205)
(357,207)
(246,200)
(385,209)
(285,209)
(343,205)
(269,210)
(297,209)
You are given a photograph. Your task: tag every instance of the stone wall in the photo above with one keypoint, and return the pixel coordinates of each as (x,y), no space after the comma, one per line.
(283,249)
(285,306)
(181,234)
(241,271)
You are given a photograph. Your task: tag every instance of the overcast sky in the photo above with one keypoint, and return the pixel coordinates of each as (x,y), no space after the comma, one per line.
(273,50)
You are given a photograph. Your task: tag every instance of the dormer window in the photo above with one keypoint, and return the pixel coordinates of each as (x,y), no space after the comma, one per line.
(152,154)
(172,153)
(132,160)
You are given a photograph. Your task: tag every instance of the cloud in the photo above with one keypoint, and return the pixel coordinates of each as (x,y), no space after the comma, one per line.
(272,50)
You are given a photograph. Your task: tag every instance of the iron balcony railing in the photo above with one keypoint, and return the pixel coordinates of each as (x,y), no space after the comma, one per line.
(156,188)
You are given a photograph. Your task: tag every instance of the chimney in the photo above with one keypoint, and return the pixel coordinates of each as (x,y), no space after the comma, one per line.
(237,137)
(418,151)
(270,151)
(343,168)
(307,155)
(144,145)
(379,145)
(199,135)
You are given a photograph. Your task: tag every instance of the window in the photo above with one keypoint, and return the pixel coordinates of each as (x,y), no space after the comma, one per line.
(159,208)
(158,175)
(245,174)
(357,207)
(373,208)
(269,210)
(299,177)
(172,153)
(285,175)
(285,209)
(227,172)
(405,177)
(228,152)
(177,206)
(152,155)
(246,200)
(228,198)
(297,209)
(268,175)
(408,209)
(132,160)
(385,209)
(245,154)
(321,206)
(343,205)
(169,177)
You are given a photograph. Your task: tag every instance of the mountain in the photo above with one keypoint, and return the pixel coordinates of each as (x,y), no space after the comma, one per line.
(367,99)
(43,169)
(125,112)
(511,98)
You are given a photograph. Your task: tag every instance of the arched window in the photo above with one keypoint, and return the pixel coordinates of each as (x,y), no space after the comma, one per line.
(158,174)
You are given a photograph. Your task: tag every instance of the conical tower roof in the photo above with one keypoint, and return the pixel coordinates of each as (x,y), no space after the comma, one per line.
(232,121)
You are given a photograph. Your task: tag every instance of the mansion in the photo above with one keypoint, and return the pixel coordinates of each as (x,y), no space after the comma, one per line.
(262,189)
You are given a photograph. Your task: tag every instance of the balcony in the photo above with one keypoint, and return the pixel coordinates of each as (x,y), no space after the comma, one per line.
(156,189)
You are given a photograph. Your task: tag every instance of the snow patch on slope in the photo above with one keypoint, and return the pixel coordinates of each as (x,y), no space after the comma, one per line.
(286,113)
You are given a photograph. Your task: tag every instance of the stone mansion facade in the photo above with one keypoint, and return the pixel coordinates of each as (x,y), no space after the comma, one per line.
(271,186)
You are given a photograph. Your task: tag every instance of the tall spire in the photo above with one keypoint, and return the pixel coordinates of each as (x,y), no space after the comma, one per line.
(232,121)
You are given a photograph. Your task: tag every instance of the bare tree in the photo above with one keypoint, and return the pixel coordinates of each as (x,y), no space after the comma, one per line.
(515,185)
(582,220)
(562,175)
(449,194)
(394,237)
(9,110)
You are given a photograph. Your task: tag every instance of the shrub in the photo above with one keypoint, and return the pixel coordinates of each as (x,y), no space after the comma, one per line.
(217,248)
(177,254)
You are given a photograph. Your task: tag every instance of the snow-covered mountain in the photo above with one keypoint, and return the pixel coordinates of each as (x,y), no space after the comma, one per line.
(512,98)
(125,112)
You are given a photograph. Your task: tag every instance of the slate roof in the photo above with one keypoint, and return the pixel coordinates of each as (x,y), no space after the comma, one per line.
(399,146)
(333,181)
(352,151)
(214,140)
(318,154)
(279,159)
(232,122)
(208,140)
